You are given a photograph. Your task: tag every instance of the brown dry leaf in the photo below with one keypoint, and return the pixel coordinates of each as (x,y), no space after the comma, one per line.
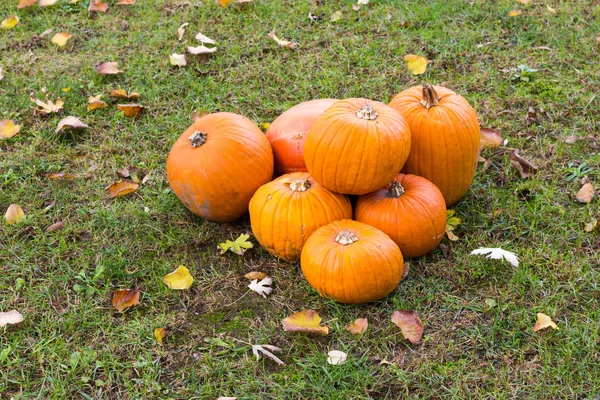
(48,107)
(159,334)
(543,322)
(590,226)
(255,275)
(551,10)
(180,279)
(14,214)
(585,194)
(410,324)
(98,6)
(200,50)
(181,30)
(10,22)
(125,298)
(304,321)
(571,139)
(8,128)
(417,65)
(358,327)
(405,271)
(55,227)
(282,43)
(122,94)
(489,138)
(108,68)
(525,168)
(70,122)
(25,3)
(178,59)
(63,176)
(125,2)
(122,188)
(45,3)
(515,13)
(95,102)
(61,38)
(12,317)
(130,110)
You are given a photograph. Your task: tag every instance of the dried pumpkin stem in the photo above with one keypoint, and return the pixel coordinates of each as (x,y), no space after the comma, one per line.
(367,112)
(300,185)
(197,138)
(396,190)
(345,237)
(430,97)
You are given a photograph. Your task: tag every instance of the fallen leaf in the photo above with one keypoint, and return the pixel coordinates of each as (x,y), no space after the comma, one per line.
(180,279)
(204,39)
(177,59)
(336,16)
(8,128)
(224,3)
(585,194)
(525,168)
(125,2)
(263,287)
(515,13)
(201,50)
(11,317)
(358,327)
(45,3)
(1,73)
(590,226)
(451,223)
(47,107)
(44,34)
(551,10)
(25,3)
(70,122)
(108,68)
(55,227)
(497,253)
(95,102)
(336,357)
(543,322)
(405,271)
(266,350)
(417,65)
(524,2)
(61,38)
(571,139)
(122,188)
(410,325)
(97,6)
(181,31)
(255,275)
(282,43)
(66,90)
(14,214)
(60,176)
(159,334)
(360,3)
(130,110)
(125,298)
(490,303)
(122,94)
(265,125)
(304,321)
(238,246)
(489,138)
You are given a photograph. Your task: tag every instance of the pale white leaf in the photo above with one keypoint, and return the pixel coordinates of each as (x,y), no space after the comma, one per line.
(497,253)
(181,31)
(201,50)
(177,59)
(10,318)
(263,287)
(336,357)
(264,349)
(204,39)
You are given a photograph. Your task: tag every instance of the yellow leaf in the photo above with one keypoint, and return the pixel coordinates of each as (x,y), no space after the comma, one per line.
(95,102)
(451,223)
(47,107)
(416,64)
(265,125)
(130,110)
(281,42)
(61,176)
(14,214)
(106,68)
(122,188)
(224,3)
(178,59)
(125,298)
(255,275)
(336,16)
(66,89)
(8,128)
(410,325)
(585,194)
(489,138)
(357,327)
(122,94)
(26,3)
(180,279)
(159,334)
(61,38)
(590,226)
(551,10)
(515,13)
(10,22)
(304,321)
(543,322)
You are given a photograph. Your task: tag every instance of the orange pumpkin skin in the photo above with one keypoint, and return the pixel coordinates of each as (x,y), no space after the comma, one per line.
(410,210)
(216,179)
(286,211)
(357,146)
(351,262)
(287,134)
(445,138)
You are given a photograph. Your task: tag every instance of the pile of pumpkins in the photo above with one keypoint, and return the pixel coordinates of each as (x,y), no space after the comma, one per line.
(406,162)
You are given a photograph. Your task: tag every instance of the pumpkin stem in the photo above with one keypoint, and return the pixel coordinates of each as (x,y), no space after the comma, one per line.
(300,185)
(197,138)
(367,112)
(430,97)
(345,237)
(396,190)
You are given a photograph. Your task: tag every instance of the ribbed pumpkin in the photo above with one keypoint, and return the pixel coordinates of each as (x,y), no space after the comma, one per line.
(286,211)
(217,164)
(445,138)
(357,146)
(351,262)
(410,209)
(287,134)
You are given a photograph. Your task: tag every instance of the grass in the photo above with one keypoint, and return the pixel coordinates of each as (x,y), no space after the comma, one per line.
(73,344)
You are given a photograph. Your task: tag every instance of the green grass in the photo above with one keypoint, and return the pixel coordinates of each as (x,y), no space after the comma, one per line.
(73,344)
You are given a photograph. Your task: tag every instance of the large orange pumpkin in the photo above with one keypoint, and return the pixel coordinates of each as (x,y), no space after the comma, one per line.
(445,138)
(217,164)
(286,211)
(410,209)
(357,146)
(287,134)
(351,262)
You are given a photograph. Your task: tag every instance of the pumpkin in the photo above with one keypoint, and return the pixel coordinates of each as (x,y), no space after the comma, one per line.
(357,146)
(445,138)
(217,164)
(287,134)
(351,262)
(286,211)
(410,210)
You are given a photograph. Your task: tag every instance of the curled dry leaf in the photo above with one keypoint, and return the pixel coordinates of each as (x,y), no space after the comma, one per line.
(181,30)
(524,2)
(47,107)
(45,3)
(61,38)
(11,317)
(255,275)
(525,168)
(405,271)
(159,334)
(201,50)
(122,188)
(122,94)
(108,68)
(496,253)
(585,194)
(410,325)
(14,214)
(514,13)
(282,43)
(63,176)
(55,227)
(263,287)
(180,279)
(571,139)
(358,327)
(130,110)
(70,122)
(551,10)
(592,225)
(543,322)
(304,321)
(204,39)
(8,128)
(125,2)
(489,138)
(10,22)
(177,59)
(266,350)
(125,298)
(336,357)
(95,102)
(417,65)
(25,3)
(97,6)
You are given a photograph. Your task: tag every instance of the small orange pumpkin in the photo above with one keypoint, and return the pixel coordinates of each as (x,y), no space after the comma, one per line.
(351,262)
(217,164)
(286,211)
(287,134)
(357,146)
(410,209)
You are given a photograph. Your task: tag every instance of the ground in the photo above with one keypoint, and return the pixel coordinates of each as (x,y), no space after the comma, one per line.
(73,344)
